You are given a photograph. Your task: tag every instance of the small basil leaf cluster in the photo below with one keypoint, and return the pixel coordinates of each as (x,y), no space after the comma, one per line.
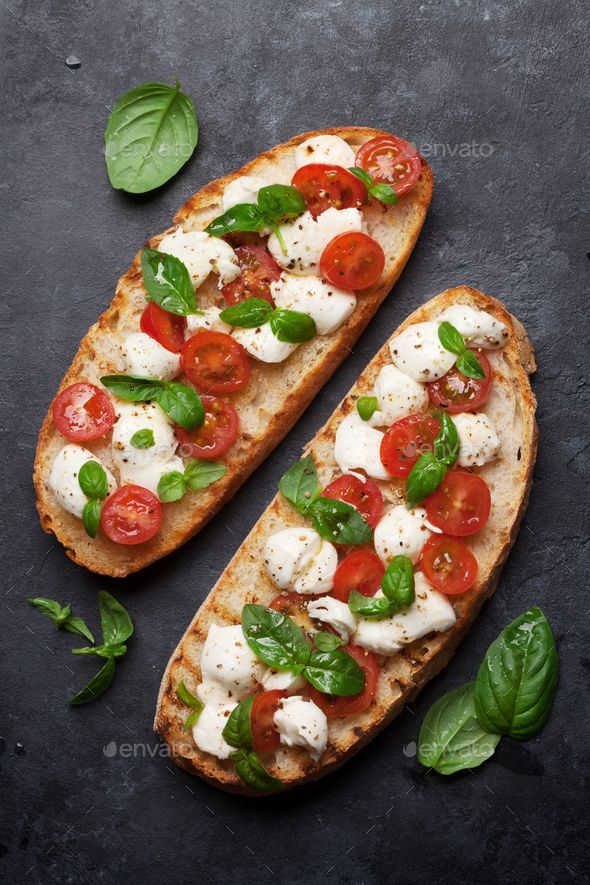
(467,363)
(291,326)
(93,481)
(167,282)
(431,467)
(62,616)
(383,192)
(238,734)
(512,695)
(397,585)
(178,400)
(197,706)
(366,406)
(198,474)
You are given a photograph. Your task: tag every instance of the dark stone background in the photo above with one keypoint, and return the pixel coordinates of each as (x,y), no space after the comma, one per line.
(508,79)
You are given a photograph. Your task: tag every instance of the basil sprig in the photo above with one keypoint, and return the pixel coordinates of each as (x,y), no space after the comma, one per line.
(300,485)
(467,363)
(383,192)
(178,400)
(143,439)
(366,406)
(339,522)
(93,481)
(190,700)
(397,585)
(291,326)
(62,616)
(431,467)
(274,204)
(238,733)
(198,474)
(167,282)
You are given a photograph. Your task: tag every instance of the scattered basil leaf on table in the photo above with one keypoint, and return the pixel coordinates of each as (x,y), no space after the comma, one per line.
(179,401)
(91,516)
(366,406)
(115,623)
(425,477)
(167,282)
(97,686)
(116,627)
(62,617)
(467,363)
(292,326)
(300,485)
(238,730)
(103,651)
(248,314)
(143,439)
(383,192)
(339,522)
(251,771)
(327,641)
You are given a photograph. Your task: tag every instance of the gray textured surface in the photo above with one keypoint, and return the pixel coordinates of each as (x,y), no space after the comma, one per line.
(506,78)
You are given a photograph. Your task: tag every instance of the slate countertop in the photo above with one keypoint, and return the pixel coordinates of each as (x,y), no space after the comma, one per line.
(491,93)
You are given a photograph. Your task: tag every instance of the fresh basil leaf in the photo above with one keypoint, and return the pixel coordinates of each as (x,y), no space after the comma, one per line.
(327,641)
(362,175)
(167,282)
(248,314)
(517,679)
(300,484)
(103,651)
(450,338)
(469,365)
(151,133)
(425,477)
(238,730)
(97,686)
(335,672)
(279,201)
(62,616)
(339,522)
(451,739)
(182,403)
(292,326)
(115,623)
(143,439)
(447,444)
(243,217)
(77,625)
(274,638)
(198,474)
(93,480)
(187,698)
(370,606)
(366,406)
(398,581)
(132,388)
(251,771)
(385,193)
(192,718)
(171,487)
(91,516)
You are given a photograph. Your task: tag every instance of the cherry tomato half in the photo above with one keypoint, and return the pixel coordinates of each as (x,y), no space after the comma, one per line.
(457,393)
(259,270)
(215,435)
(448,564)
(83,412)
(461,504)
(290,602)
(265,736)
(352,260)
(324,186)
(332,705)
(215,362)
(406,440)
(361,570)
(165,327)
(131,515)
(390,160)
(363,495)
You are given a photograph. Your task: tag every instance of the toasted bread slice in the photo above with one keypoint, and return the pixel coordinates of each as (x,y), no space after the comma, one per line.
(511,406)
(274,398)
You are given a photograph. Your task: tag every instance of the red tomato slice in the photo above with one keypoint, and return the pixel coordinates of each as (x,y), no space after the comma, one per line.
(365,496)
(259,270)
(457,393)
(324,186)
(289,602)
(332,705)
(265,736)
(448,564)
(361,570)
(215,362)
(406,440)
(390,160)
(461,504)
(165,327)
(83,412)
(352,260)
(215,435)
(131,515)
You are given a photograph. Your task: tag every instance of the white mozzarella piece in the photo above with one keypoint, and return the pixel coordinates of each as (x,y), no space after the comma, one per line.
(401,531)
(144,467)
(144,356)
(324,149)
(358,446)
(335,613)
(209,319)
(208,731)
(305,238)
(282,681)
(479,442)
(301,723)
(477,327)
(298,559)
(201,254)
(398,395)
(378,636)
(228,665)
(263,344)
(317,575)
(418,352)
(328,306)
(63,479)
(150,475)
(243,189)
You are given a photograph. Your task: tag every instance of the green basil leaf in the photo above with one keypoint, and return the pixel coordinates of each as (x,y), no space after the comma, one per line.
(279,201)
(171,487)
(469,365)
(516,681)
(339,522)
(362,175)
(97,686)
(182,403)
(132,388)
(450,338)
(292,326)
(248,314)
(366,406)
(385,193)
(446,444)
(274,638)
(48,607)
(115,623)
(327,641)
(251,771)
(167,282)
(451,739)
(198,474)
(425,477)
(398,581)
(61,617)
(335,672)
(238,730)
(93,480)
(192,718)
(143,439)
(152,131)
(187,698)
(91,516)
(243,217)
(78,625)
(103,651)
(300,484)
(370,606)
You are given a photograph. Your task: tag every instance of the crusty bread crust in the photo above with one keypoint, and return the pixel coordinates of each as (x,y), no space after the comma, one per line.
(273,400)
(512,407)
